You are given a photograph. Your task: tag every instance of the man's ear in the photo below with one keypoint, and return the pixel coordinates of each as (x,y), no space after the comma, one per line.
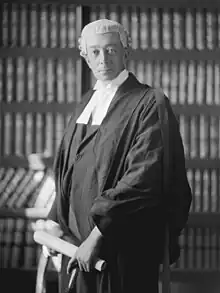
(127,56)
(127,53)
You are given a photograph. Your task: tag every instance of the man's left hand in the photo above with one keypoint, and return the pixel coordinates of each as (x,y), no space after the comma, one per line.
(87,253)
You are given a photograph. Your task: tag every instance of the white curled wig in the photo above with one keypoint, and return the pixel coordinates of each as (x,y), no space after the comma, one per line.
(103,26)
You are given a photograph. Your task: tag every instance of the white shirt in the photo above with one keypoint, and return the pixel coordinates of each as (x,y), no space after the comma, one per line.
(101,99)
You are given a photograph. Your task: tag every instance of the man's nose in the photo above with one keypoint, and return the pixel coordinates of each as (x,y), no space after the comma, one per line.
(103,56)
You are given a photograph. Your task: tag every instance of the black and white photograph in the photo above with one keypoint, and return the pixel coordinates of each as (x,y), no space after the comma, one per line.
(110,147)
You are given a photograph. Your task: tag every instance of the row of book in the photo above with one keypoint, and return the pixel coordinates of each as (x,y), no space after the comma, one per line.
(33,132)
(60,25)
(165,28)
(21,188)
(205,187)
(17,247)
(47,80)
(200,136)
(39,80)
(184,82)
(40,25)
(200,248)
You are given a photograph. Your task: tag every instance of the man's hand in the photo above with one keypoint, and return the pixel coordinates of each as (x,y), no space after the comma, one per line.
(87,252)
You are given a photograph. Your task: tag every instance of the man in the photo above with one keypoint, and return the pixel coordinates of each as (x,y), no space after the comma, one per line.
(109,174)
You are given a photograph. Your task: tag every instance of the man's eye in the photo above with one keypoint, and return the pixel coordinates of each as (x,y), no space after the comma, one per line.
(111,51)
(95,52)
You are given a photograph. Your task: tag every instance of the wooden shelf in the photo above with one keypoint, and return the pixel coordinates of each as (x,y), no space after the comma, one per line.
(25,213)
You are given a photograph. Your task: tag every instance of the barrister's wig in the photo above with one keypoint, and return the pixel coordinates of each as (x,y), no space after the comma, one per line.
(103,26)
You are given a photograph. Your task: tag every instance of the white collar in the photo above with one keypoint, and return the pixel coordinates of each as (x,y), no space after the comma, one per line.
(115,83)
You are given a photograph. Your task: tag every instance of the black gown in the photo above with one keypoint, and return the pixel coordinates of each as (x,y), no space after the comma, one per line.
(111,176)
(83,184)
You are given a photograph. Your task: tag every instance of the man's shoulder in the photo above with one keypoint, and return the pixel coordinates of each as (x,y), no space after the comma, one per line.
(150,94)
(155,95)
(154,99)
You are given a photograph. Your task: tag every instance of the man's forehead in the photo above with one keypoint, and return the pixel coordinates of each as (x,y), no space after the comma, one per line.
(110,38)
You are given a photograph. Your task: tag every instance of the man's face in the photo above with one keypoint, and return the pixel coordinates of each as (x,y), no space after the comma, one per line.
(105,55)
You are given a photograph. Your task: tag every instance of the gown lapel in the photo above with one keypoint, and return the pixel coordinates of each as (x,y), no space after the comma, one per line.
(81,127)
(130,84)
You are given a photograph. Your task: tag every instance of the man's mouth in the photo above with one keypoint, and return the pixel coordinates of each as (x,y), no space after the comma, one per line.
(105,70)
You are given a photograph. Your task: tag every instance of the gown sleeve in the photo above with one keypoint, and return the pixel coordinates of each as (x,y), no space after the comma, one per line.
(139,190)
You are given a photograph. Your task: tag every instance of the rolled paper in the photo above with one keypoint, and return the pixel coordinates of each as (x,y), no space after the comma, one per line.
(62,246)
